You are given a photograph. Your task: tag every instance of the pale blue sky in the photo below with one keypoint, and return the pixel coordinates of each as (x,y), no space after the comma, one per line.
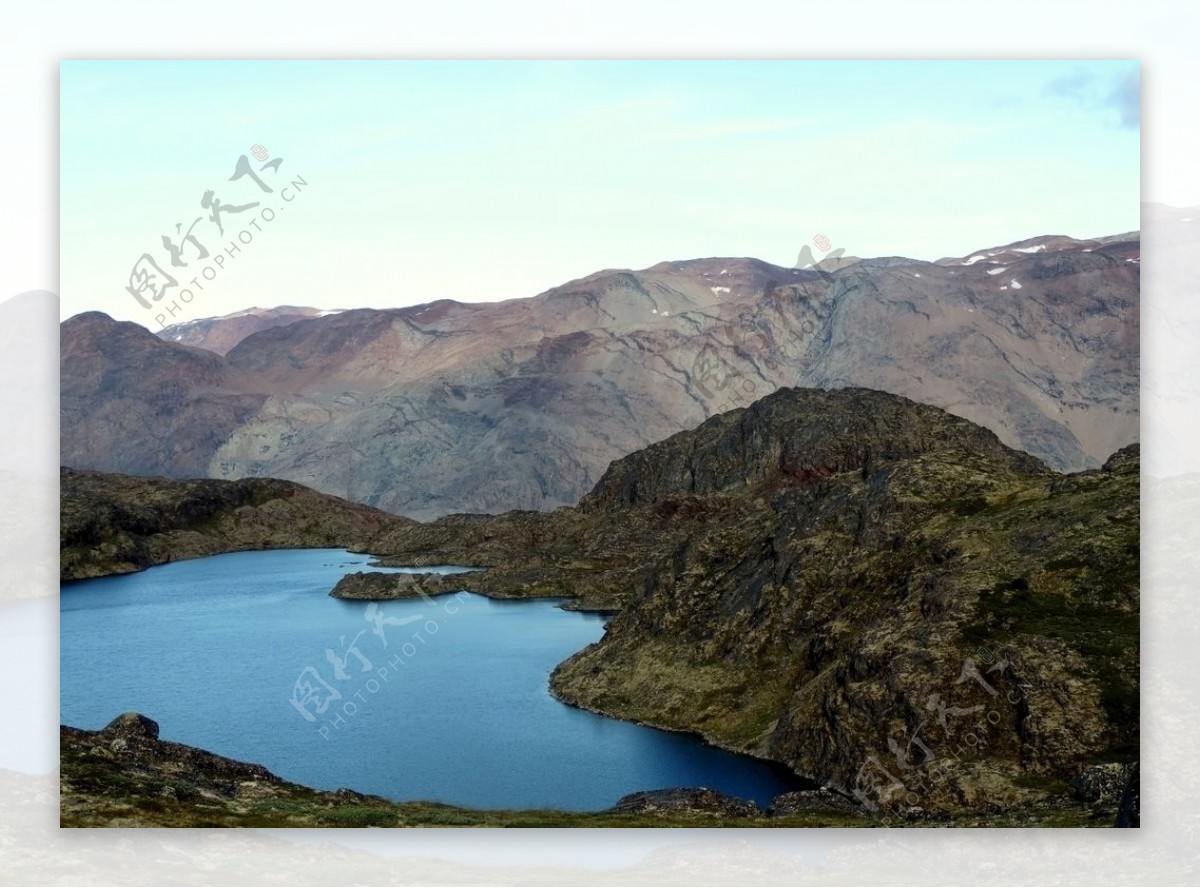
(490,180)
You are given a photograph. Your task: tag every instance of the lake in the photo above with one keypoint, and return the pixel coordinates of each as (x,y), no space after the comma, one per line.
(444,699)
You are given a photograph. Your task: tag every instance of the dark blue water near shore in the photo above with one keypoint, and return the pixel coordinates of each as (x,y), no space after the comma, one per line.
(444,699)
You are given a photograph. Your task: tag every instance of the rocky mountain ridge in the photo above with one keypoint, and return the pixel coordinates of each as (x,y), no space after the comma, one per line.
(846,582)
(484,407)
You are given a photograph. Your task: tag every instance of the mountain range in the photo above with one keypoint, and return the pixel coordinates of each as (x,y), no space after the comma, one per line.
(452,407)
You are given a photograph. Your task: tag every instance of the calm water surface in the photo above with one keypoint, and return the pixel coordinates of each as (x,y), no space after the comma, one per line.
(446,701)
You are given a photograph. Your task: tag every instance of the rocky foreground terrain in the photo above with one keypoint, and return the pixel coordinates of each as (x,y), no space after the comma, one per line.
(125,776)
(449,407)
(874,592)
(112,524)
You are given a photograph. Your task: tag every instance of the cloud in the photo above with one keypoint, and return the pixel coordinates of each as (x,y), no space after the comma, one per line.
(1125,98)
(1079,84)
(1120,95)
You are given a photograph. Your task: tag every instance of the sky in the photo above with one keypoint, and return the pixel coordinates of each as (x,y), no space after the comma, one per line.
(402,182)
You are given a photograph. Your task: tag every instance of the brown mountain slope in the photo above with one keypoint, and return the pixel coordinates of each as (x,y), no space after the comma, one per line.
(450,407)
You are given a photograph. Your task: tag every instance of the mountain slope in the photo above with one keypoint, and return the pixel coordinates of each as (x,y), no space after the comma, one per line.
(220,334)
(119,524)
(831,580)
(449,407)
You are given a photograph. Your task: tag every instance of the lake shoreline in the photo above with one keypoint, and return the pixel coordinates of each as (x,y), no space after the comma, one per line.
(152,783)
(249,581)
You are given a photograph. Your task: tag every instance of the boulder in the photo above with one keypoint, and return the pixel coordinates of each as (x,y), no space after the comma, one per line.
(1101,783)
(131,726)
(1129,815)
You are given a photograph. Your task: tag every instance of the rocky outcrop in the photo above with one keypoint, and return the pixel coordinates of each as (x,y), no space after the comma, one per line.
(113,524)
(873,592)
(820,800)
(1102,783)
(698,802)
(375,586)
(124,775)
(449,407)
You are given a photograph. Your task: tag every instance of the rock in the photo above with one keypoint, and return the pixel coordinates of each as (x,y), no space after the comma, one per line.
(131,726)
(378,586)
(1129,815)
(685,800)
(821,800)
(1102,783)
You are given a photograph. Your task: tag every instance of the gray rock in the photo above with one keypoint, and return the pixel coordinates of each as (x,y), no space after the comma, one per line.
(1101,783)
(1129,815)
(685,800)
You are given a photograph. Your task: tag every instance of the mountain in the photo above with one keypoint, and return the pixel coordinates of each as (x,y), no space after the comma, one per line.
(220,334)
(874,592)
(114,524)
(449,407)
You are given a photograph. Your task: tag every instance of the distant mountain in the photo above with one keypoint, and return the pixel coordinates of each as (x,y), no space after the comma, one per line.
(449,407)
(220,334)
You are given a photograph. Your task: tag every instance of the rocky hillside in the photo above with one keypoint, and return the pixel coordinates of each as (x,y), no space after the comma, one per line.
(876,593)
(113,524)
(449,407)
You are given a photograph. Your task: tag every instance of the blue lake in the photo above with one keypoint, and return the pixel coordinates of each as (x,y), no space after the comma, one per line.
(446,699)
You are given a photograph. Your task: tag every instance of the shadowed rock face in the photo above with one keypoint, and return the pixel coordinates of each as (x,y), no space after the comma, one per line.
(449,407)
(118,523)
(832,579)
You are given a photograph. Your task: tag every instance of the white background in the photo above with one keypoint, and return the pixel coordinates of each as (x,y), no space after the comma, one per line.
(37,36)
